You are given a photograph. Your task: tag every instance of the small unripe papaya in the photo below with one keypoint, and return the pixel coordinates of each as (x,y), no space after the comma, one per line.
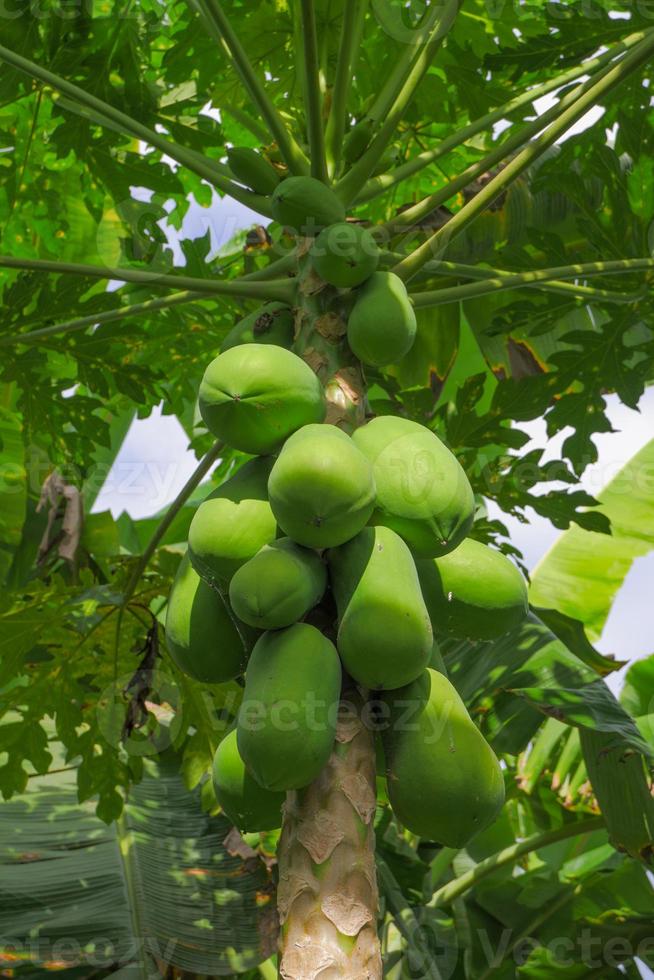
(321,488)
(474,592)
(345,255)
(201,636)
(253,170)
(422,491)
(249,806)
(278,586)
(287,719)
(382,324)
(444,780)
(357,140)
(384,634)
(306,205)
(254,396)
(232,523)
(273,323)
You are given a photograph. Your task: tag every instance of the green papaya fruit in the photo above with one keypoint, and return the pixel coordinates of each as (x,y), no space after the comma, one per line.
(384,634)
(345,254)
(444,780)
(382,324)
(321,488)
(278,586)
(201,635)
(473,592)
(287,720)
(249,806)
(254,396)
(273,323)
(422,491)
(306,205)
(357,140)
(253,170)
(232,523)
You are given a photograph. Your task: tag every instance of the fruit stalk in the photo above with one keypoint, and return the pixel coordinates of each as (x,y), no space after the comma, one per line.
(327,895)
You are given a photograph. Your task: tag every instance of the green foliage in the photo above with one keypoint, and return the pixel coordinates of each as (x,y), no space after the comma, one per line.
(80,642)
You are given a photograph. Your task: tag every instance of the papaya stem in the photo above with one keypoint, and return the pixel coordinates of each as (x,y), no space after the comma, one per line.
(439,241)
(450,891)
(327,894)
(221,28)
(384,182)
(312,94)
(501,281)
(354,16)
(349,186)
(106,114)
(277,289)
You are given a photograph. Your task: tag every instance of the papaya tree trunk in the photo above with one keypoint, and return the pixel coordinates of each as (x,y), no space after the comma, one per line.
(327,895)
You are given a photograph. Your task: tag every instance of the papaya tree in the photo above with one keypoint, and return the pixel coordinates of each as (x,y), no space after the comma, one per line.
(443,241)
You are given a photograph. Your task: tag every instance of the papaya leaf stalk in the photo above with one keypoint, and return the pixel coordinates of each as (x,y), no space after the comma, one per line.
(575,290)
(439,241)
(354,16)
(221,28)
(103,112)
(280,289)
(350,185)
(384,182)
(413,42)
(95,319)
(515,280)
(124,312)
(312,94)
(514,141)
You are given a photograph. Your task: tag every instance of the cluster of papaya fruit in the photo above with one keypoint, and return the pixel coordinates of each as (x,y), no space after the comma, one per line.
(329,556)
(381,324)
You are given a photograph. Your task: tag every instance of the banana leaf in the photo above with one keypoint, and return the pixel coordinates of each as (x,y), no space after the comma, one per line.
(158,888)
